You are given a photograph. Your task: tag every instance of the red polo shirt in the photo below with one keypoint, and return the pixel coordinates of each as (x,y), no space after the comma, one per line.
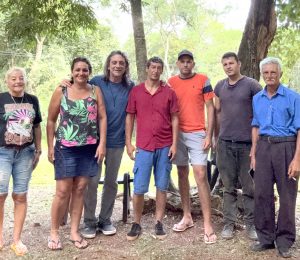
(153,115)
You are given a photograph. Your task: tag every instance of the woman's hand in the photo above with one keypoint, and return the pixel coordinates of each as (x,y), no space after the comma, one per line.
(36,158)
(100,153)
(51,155)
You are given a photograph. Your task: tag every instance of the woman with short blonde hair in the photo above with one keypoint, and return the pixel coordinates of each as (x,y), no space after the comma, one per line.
(20,149)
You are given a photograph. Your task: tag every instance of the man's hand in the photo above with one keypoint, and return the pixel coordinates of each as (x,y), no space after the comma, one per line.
(214,143)
(66,83)
(130,151)
(252,158)
(252,162)
(294,169)
(100,153)
(172,152)
(207,143)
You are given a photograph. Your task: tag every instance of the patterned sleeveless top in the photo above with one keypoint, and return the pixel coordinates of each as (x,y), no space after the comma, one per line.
(78,123)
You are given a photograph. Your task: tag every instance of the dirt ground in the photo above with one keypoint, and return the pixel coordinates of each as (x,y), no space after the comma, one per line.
(187,245)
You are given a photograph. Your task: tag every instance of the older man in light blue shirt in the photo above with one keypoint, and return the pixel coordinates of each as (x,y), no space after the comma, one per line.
(275,157)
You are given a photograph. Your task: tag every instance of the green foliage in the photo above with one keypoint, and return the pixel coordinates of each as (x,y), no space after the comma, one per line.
(94,44)
(295,77)
(289,12)
(11,52)
(27,18)
(180,26)
(286,47)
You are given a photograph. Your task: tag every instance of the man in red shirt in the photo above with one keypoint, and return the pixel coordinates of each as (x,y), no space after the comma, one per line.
(154,105)
(194,93)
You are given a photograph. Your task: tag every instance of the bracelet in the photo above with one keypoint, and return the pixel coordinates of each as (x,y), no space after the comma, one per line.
(38,152)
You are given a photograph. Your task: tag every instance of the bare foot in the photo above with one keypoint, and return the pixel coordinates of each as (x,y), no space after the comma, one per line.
(210,238)
(54,242)
(19,248)
(78,241)
(183,225)
(209,234)
(208,228)
(1,242)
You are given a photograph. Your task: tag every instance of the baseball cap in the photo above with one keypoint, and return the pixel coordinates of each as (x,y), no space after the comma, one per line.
(185,52)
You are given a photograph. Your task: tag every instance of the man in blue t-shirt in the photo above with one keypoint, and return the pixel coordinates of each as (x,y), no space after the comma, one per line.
(115,86)
(275,156)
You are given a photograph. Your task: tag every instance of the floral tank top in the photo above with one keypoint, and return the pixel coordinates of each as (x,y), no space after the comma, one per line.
(78,121)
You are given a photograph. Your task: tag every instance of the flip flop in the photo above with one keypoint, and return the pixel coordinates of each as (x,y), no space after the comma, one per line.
(56,245)
(20,249)
(180,227)
(210,239)
(80,243)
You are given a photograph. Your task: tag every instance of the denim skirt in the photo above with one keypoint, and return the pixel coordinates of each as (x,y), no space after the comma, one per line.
(75,161)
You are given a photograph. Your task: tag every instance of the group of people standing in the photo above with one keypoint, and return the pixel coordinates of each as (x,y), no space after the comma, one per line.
(254,129)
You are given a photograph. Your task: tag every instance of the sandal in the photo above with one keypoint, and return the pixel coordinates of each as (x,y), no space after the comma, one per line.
(180,227)
(20,249)
(54,245)
(210,239)
(80,243)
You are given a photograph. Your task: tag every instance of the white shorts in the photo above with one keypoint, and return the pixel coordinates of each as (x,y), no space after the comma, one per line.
(190,149)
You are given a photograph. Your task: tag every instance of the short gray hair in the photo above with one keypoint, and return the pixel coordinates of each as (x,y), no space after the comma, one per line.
(13,69)
(270,60)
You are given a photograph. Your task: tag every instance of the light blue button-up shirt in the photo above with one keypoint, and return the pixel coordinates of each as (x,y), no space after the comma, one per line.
(278,115)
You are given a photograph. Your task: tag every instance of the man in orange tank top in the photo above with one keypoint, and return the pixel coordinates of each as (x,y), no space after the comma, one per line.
(194,93)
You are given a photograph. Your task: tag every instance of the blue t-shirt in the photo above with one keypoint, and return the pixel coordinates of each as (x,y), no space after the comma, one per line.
(115,98)
(278,115)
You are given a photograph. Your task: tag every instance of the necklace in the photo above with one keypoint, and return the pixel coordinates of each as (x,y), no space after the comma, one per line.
(15,101)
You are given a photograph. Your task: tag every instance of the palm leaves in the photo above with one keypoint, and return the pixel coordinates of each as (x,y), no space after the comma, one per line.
(80,115)
(79,110)
(70,131)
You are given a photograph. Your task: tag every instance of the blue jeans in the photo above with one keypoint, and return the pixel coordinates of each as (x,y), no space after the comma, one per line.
(18,164)
(233,162)
(144,161)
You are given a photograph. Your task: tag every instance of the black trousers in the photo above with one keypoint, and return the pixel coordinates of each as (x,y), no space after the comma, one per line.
(233,162)
(272,162)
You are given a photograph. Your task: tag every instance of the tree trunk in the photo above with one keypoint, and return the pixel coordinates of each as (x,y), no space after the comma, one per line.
(139,38)
(167,66)
(38,55)
(39,47)
(258,34)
